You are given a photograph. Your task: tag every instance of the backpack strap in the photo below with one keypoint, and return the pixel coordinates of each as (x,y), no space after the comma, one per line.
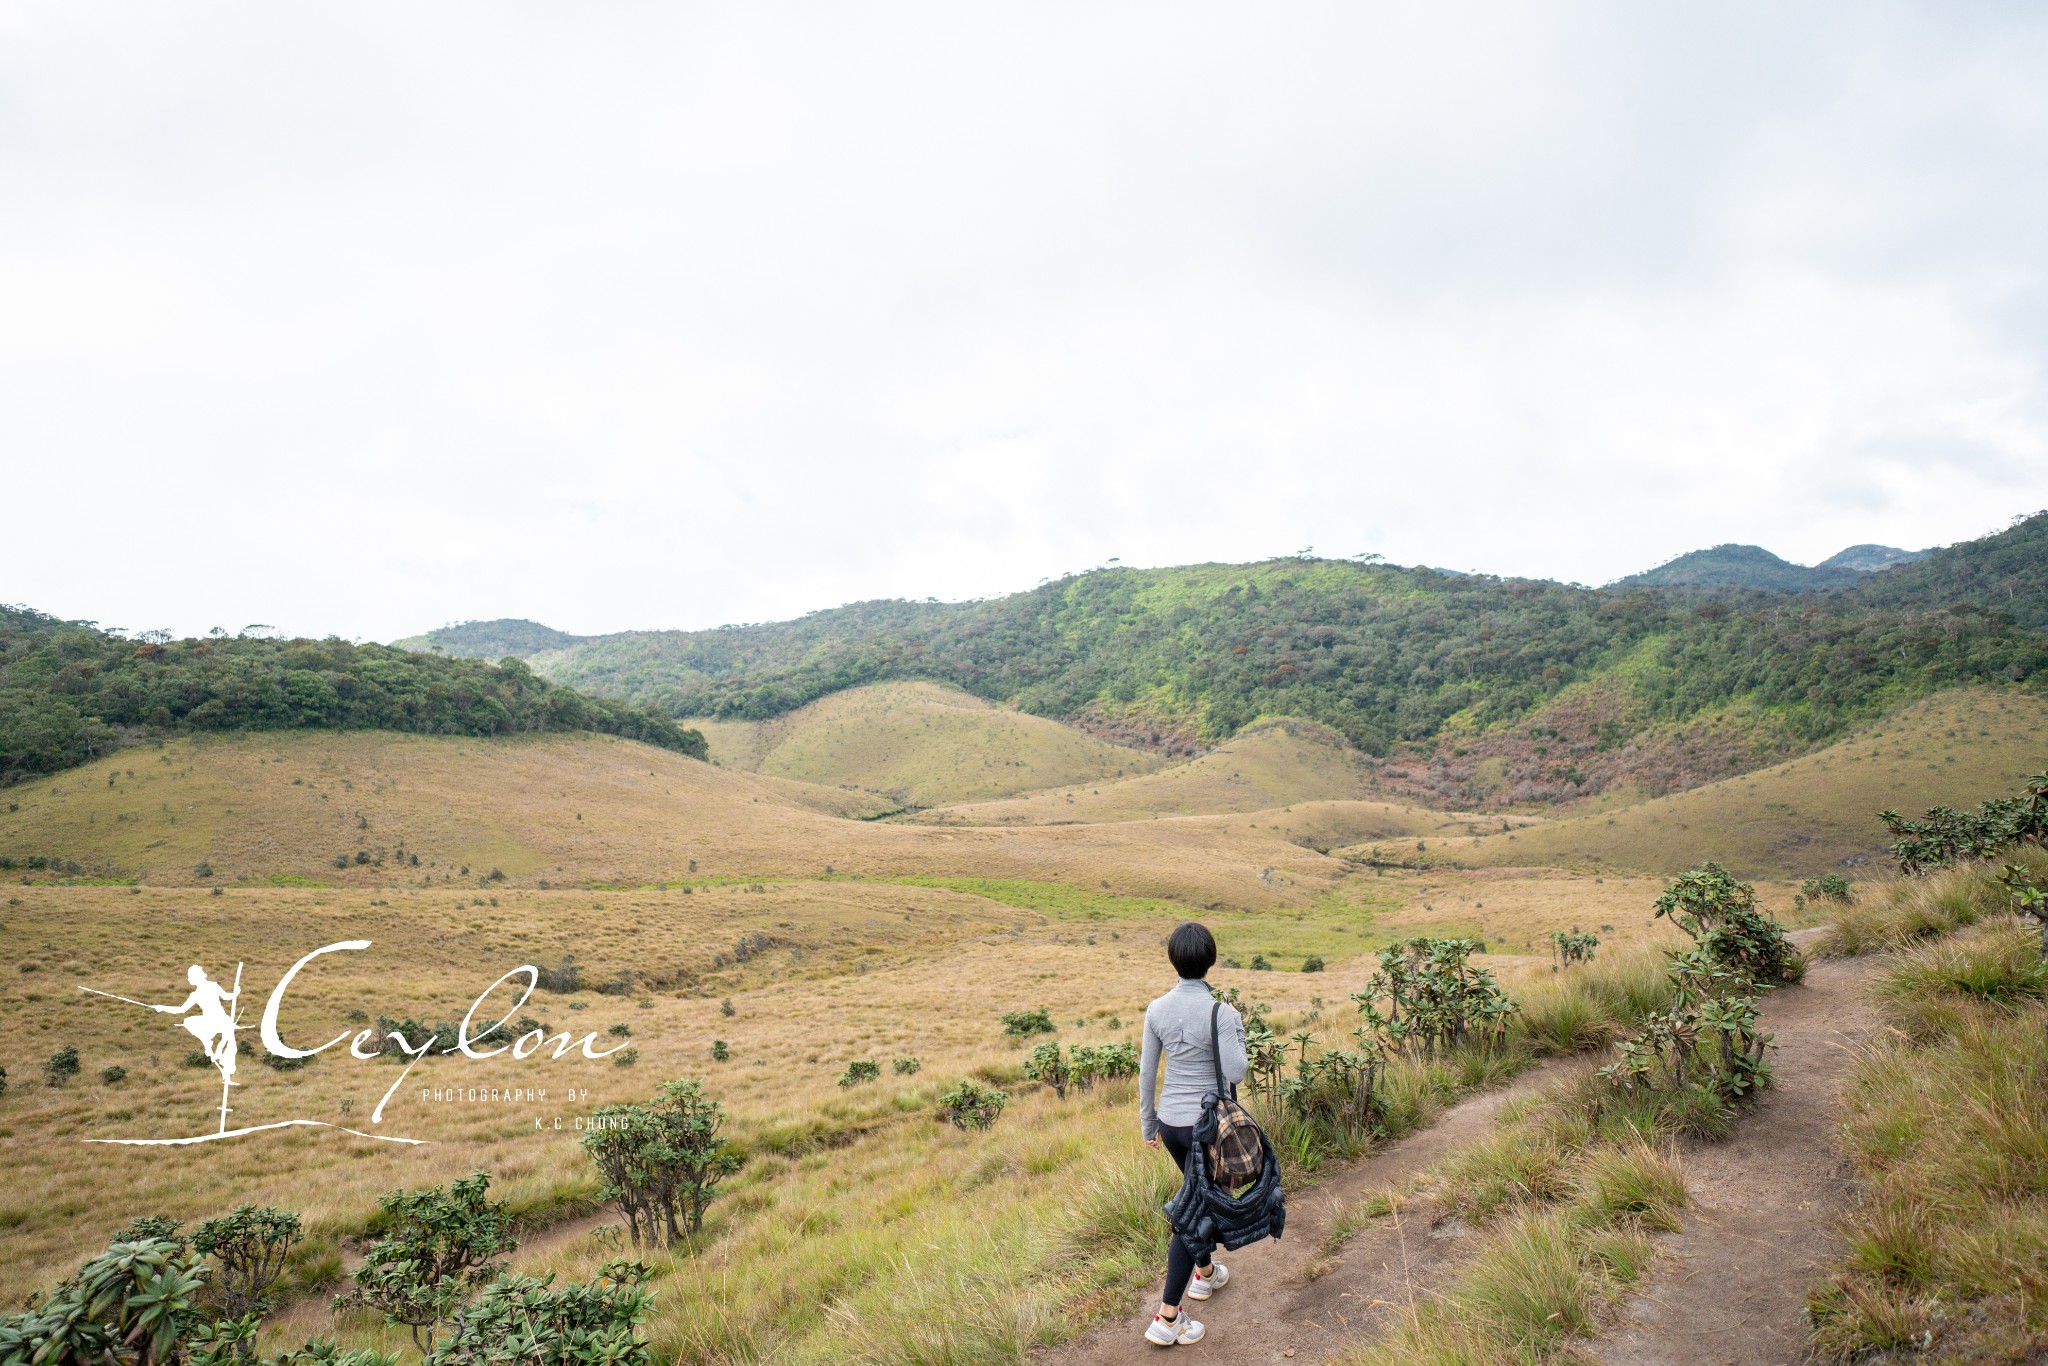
(1216,1052)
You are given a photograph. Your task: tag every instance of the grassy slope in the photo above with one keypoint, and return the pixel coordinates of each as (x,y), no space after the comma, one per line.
(1811,815)
(570,809)
(920,744)
(1271,764)
(856,970)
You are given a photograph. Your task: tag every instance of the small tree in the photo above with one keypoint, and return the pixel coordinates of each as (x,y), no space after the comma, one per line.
(438,1251)
(661,1162)
(251,1243)
(1049,1065)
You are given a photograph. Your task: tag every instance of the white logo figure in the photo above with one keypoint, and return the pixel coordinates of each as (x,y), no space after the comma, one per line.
(214,1026)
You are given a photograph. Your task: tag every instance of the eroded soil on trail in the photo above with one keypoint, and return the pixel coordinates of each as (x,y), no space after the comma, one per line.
(1729,1288)
(1276,1308)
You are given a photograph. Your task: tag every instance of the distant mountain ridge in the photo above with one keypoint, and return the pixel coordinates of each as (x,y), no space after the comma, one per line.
(1751,566)
(1562,688)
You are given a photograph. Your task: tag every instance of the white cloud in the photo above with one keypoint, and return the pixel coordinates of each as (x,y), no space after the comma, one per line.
(367,317)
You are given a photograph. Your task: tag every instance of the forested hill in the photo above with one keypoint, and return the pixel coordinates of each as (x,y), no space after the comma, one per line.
(69,692)
(1386,655)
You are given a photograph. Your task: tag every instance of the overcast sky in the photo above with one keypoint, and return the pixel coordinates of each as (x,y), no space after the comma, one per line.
(360,318)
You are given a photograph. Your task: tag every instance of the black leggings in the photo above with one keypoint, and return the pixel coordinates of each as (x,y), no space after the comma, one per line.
(1179,1265)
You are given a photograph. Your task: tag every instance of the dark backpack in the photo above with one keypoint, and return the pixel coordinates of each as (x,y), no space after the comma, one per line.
(1237,1153)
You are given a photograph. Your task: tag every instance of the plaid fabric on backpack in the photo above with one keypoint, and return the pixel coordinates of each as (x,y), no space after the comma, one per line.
(1237,1155)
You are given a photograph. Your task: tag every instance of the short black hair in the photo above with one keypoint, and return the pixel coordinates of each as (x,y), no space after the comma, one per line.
(1192,949)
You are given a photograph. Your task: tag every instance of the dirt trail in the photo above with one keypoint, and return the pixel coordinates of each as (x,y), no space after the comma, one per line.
(1730,1287)
(1271,1311)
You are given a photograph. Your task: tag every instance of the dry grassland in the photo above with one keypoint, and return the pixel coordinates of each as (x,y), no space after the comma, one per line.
(1269,764)
(576,809)
(919,744)
(835,971)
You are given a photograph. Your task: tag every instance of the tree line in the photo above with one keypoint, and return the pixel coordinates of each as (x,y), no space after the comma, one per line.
(70,692)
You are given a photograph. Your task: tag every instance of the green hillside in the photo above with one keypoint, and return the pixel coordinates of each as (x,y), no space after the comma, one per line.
(70,692)
(491,640)
(1812,815)
(1390,658)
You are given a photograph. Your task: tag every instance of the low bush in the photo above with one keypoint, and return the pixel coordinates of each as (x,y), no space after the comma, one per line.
(972,1105)
(62,1066)
(1024,1023)
(905,1067)
(860,1073)
(1720,916)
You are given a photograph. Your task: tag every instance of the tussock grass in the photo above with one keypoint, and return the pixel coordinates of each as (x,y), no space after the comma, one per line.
(1948,1123)
(1566,1190)
(1594,1003)
(1905,910)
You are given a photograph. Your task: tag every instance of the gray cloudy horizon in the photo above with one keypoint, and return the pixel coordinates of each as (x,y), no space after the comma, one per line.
(362,319)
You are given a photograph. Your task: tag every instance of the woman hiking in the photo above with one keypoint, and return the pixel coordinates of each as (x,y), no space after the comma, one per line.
(1177,1026)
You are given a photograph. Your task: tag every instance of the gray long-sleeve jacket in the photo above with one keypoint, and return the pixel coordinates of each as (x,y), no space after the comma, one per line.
(1177,1024)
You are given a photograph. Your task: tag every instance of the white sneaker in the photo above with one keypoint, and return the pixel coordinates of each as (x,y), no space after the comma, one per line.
(1201,1287)
(1182,1329)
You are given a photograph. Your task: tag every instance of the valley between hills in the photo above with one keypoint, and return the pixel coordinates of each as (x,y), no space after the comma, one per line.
(879,875)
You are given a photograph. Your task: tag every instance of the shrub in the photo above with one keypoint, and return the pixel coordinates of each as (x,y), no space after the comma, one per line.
(725,1008)
(1720,915)
(662,1162)
(1569,947)
(1259,963)
(1827,887)
(1102,1062)
(719,1051)
(564,977)
(1435,998)
(202,869)
(3,1081)
(114,1075)
(972,1105)
(524,1319)
(620,1031)
(197,1058)
(133,1303)
(251,1243)
(903,1067)
(436,1252)
(625,1057)
(859,1073)
(1023,1023)
(1947,835)
(278,1063)
(1049,1065)
(1312,963)
(1707,1040)
(62,1066)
